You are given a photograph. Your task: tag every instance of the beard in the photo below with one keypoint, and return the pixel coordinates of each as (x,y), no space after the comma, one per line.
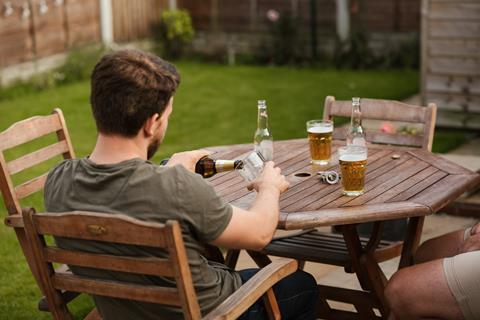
(152,148)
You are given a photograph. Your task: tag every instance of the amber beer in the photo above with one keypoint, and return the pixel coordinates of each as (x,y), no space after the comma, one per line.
(353,160)
(320,140)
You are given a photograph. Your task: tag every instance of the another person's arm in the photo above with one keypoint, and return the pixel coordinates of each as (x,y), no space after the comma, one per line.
(449,245)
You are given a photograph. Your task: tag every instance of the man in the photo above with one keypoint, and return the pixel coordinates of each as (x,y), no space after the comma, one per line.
(445,282)
(132,99)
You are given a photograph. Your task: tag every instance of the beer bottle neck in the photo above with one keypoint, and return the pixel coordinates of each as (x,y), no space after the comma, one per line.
(262,120)
(356,119)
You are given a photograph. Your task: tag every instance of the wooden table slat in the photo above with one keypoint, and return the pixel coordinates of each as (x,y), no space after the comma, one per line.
(439,162)
(446,190)
(419,187)
(390,182)
(372,178)
(354,215)
(405,185)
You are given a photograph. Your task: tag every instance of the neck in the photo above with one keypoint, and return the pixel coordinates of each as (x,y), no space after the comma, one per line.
(113,149)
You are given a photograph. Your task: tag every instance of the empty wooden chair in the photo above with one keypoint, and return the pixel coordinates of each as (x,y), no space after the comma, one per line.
(121,229)
(18,134)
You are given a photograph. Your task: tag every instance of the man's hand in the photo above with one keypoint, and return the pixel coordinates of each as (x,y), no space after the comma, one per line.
(188,159)
(473,242)
(271,177)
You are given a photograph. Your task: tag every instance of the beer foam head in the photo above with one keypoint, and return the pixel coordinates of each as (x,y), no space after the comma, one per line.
(320,129)
(353,157)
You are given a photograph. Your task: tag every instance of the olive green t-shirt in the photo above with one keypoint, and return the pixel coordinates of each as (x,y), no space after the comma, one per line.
(149,192)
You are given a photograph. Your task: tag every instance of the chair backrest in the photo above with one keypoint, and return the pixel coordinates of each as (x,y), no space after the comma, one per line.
(20,133)
(388,110)
(111,228)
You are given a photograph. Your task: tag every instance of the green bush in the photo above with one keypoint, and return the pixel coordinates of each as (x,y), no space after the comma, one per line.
(79,64)
(173,34)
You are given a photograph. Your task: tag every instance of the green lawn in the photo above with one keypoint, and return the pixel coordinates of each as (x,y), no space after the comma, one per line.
(215,105)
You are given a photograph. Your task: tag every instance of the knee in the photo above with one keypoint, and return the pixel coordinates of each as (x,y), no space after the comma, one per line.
(396,292)
(305,284)
(309,282)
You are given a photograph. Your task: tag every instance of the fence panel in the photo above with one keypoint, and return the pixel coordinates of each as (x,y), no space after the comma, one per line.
(49,32)
(16,45)
(451,61)
(83,22)
(134,19)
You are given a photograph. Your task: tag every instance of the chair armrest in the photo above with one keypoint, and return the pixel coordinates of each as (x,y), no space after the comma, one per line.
(14,221)
(252,290)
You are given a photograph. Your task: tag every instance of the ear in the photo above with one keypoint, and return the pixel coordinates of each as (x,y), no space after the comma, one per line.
(151,125)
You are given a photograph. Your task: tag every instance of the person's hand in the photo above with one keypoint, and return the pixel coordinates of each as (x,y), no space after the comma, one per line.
(188,159)
(473,241)
(271,177)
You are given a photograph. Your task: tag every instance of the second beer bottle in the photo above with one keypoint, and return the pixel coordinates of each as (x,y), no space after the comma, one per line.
(208,167)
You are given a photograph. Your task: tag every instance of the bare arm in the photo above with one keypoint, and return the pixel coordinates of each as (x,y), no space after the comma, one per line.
(448,245)
(254,228)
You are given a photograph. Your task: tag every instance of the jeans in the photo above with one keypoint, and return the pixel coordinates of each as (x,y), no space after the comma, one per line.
(296,296)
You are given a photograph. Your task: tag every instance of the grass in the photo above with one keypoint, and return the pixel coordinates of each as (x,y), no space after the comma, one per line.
(215,105)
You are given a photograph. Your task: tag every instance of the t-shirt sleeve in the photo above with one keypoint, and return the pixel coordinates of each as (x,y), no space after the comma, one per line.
(208,214)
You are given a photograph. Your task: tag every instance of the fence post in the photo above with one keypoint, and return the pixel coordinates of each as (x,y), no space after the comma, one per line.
(253,14)
(172,4)
(106,22)
(214,15)
(343,20)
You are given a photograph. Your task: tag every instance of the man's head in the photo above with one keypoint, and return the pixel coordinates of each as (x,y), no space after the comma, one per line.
(131,89)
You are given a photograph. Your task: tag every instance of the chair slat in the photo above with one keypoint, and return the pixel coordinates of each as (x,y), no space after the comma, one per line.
(386,138)
(94,226)
(115,289)
(34,158)
(29,129)
(31,186)
(387,110)
(139,265)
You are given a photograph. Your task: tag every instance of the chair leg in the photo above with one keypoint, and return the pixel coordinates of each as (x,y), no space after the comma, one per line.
(301,264)
(271,305)
(262,260)
(412,240)
(232,258)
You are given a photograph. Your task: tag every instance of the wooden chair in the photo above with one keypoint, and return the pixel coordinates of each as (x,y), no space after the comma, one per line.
(330,248)
(121,229)
(19,134)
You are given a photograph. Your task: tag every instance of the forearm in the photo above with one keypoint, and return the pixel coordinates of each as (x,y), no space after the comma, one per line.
(266,210)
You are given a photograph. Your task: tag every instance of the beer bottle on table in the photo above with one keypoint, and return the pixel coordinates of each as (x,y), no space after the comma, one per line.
(263,140)
(208,167)
(356,134)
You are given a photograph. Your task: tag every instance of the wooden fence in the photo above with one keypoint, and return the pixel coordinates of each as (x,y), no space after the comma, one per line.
(451,60)
(38,28)
(249,15)
(134,19)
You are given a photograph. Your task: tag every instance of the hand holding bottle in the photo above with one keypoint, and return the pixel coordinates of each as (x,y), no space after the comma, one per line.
(271,178)
(187,158)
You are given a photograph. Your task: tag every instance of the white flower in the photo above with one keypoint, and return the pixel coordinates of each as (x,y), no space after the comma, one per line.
(273,15)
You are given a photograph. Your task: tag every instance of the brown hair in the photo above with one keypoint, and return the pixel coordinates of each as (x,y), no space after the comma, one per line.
(128,87)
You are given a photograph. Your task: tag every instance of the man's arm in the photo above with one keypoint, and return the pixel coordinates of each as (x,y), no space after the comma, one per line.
(254,228)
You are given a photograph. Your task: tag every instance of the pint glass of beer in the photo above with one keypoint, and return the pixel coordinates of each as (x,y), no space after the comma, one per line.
(320,140)
(353,160)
